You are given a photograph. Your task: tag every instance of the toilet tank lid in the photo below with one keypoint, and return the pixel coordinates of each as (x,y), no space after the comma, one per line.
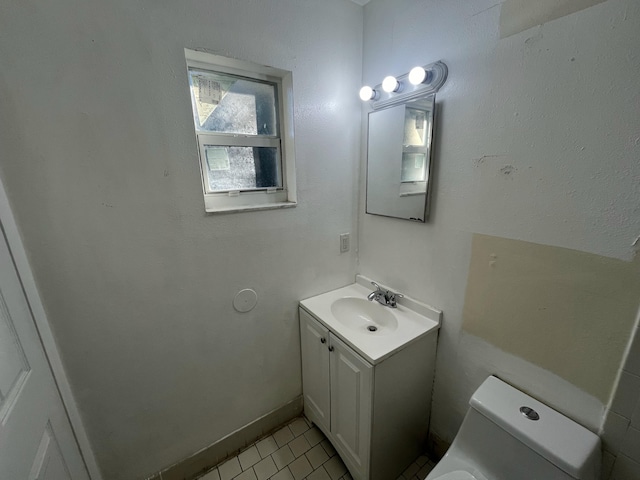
(560,440)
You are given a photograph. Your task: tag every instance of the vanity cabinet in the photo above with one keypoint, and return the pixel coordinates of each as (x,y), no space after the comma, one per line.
(315,342)
(375,415)
(337,386)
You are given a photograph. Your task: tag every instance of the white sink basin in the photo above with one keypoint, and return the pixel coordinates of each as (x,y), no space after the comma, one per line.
(373,330)
(364,316)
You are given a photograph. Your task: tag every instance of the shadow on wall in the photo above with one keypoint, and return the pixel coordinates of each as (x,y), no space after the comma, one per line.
(519,15)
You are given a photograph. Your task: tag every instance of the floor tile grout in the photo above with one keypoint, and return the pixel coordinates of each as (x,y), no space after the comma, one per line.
(237,468)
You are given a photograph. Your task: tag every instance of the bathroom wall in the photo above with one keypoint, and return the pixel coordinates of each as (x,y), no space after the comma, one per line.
(531,242)
(99,159)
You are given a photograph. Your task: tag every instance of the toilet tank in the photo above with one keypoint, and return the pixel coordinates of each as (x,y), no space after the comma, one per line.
(509,434)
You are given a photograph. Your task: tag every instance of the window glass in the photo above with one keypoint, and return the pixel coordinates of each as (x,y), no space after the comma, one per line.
(225,103)
(242,168)
(413,167)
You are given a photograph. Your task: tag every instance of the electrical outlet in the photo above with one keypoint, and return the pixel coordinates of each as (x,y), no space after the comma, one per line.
(344,242)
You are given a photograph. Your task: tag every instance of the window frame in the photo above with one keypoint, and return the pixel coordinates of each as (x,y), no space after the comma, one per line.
(254,199)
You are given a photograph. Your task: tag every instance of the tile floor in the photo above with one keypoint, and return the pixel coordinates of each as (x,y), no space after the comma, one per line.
(295,452)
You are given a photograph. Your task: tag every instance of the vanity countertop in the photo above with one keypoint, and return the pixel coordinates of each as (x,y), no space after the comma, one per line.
(346,312)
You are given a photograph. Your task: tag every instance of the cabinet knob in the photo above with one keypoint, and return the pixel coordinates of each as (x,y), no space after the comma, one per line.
(323,340)
(331,348)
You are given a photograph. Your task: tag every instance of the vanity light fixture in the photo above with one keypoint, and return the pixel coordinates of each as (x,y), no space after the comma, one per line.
(420,81)
(367,93)
(391,84)
(419,75)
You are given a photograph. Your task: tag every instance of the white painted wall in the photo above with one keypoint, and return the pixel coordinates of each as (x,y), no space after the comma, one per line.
(99,159)
(559,104)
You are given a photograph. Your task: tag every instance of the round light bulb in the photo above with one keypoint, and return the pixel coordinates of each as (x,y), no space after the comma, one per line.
(417,75)
(367,93)
(390,84)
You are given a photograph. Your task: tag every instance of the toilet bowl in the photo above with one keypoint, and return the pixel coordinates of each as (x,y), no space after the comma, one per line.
(458,475)
(508,435)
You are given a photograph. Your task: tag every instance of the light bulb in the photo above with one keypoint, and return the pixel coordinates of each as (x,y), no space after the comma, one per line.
(417,75)
(367,93)
(390,84)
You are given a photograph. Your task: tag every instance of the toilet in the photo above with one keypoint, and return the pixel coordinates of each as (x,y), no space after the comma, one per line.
(508,435)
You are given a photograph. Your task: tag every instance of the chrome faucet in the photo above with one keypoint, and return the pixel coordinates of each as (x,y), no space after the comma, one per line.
(384,297)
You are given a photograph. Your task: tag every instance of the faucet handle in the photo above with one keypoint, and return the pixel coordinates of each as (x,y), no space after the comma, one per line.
(392,298)
(376,285)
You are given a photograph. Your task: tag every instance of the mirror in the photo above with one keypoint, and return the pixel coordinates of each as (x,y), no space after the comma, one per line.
(399,160)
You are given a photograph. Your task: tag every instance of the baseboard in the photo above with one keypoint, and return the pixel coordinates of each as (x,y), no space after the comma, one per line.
(205,459)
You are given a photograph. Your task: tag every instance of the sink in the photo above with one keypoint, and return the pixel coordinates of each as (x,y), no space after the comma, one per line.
(364,316)
(374,331)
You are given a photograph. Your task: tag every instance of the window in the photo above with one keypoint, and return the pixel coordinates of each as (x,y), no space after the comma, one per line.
(243,117)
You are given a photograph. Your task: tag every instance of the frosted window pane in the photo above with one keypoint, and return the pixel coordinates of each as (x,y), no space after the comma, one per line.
(415,127)
(242,168)
(229,104)
(413,167)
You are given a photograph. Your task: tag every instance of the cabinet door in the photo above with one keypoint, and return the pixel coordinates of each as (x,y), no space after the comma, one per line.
(314,340)
(351,396)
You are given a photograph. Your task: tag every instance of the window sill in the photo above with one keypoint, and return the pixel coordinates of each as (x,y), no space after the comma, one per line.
(251,208)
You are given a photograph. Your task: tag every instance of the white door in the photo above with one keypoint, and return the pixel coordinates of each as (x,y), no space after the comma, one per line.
(314,340)
(351,397)
(36,439)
